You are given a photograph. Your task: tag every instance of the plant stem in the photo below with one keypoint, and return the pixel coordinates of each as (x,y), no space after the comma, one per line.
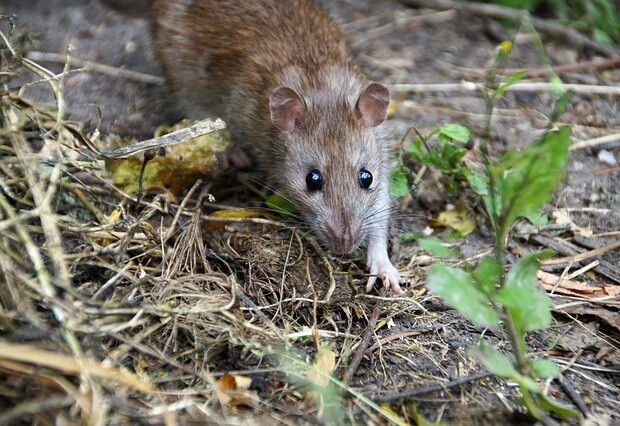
(532,408)
(500,230)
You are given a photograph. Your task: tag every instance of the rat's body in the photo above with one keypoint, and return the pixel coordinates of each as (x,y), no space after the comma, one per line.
(281,76)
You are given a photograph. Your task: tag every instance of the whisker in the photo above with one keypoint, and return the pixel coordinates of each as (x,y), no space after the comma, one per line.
(263,188)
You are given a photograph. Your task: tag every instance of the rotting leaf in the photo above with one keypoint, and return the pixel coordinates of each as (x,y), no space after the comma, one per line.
(392,107)
(114,215)
(562,217)
(459,220)
(553,283)
(320,371)
(182,166)
(232,390)
(322,391)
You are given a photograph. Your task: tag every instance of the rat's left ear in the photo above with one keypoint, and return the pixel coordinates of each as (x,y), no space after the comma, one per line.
(288,110)
(371,107)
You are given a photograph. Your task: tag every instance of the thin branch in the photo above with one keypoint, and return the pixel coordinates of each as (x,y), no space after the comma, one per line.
(431,389)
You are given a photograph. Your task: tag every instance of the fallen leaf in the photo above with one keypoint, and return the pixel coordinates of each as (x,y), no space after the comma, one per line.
(392,107)
(553,283)
(231,214)
(181,166)
(611,317)
(322,368)
(607,297)
(232,390)
(562,217)
(459,220)
(577,338)
(114,215)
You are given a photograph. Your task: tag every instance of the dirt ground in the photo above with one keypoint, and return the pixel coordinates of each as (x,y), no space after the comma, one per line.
(418,341)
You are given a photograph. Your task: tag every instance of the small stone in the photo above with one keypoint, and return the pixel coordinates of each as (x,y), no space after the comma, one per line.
(607,157)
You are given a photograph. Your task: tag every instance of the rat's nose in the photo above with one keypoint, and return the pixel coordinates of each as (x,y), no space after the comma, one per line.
(343,237)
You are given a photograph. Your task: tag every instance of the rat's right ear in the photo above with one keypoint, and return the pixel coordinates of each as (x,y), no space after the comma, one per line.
(288,110)
(372,104)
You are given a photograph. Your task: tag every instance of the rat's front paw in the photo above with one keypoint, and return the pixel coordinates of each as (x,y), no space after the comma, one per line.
(383,268)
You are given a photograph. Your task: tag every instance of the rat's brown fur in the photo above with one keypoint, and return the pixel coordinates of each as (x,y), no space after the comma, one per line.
(281,75)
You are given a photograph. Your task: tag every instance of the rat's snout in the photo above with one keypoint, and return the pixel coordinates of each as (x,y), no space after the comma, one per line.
(343,236)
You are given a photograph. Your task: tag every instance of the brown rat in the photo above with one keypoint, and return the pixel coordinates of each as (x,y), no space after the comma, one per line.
(280,74)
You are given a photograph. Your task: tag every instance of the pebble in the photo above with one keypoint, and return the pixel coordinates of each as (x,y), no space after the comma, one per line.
(607,157)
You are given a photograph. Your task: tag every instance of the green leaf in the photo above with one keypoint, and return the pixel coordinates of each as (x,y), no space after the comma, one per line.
(557,408)
(602,37)
(452,155)
(455,132)
(526,180)
(456,287)
(527,382)
(526,268)
(415,149)
(557,86)
(487,274)
(436,247)
(527,304)
(538,219)
(545,369)
(434,159)
(399,185)
(510,80)
(408,237)
(496,362)
(560,106)
(478,183)
(281,204)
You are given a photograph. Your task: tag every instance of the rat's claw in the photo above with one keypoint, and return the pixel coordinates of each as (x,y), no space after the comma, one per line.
(371,283)
(383,268)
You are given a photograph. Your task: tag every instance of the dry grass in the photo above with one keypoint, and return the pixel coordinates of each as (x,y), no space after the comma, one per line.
(116,310)
(114,317)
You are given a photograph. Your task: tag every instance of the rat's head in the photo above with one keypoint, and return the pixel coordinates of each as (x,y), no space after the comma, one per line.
(333,165)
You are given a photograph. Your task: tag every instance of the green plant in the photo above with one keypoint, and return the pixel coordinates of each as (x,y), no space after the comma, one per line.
(445,156)
(513,187)
(598,18)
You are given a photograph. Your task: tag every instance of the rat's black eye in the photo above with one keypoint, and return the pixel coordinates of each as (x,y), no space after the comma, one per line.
(365,178)
(314,180)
